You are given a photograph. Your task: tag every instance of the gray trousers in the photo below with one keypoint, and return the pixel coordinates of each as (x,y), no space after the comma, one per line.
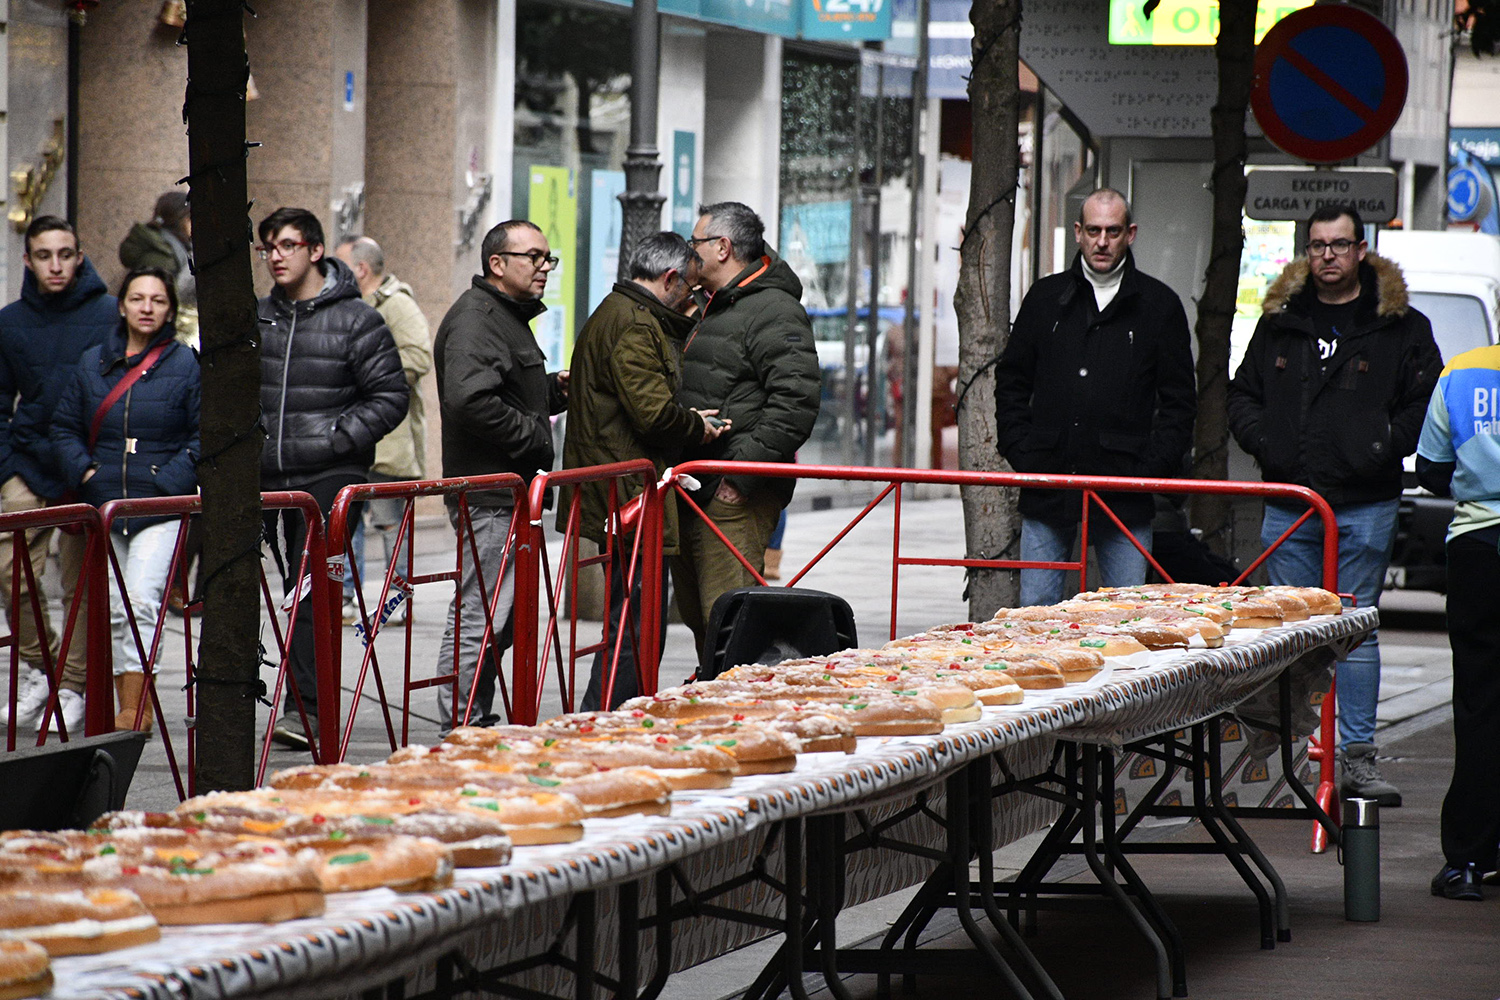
(465,629)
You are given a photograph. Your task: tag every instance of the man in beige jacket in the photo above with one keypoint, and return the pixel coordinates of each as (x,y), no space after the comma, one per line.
(401,454)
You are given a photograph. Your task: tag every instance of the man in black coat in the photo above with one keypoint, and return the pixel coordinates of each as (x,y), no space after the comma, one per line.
(496,399)
(1331,396)
(1096,379)
(331,386)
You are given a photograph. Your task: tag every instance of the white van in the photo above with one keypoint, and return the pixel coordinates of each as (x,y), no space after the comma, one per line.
(1454,279)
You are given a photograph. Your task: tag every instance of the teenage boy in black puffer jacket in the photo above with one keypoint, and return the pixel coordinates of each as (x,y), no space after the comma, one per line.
(331,386)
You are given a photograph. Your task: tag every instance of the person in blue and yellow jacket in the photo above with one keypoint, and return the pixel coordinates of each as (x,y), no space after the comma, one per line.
(1459,453)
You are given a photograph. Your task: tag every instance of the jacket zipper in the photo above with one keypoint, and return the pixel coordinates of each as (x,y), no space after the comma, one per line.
(286,364)
(125,458)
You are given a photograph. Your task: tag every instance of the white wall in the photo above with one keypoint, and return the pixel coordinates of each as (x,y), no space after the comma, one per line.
(742,123)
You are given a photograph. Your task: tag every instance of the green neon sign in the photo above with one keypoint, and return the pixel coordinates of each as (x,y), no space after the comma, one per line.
(1185,22)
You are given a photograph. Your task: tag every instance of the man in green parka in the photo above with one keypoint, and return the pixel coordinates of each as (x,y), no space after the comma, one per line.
(626,369)
(753,359)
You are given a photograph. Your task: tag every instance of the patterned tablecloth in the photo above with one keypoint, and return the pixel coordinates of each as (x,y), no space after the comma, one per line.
(367,938)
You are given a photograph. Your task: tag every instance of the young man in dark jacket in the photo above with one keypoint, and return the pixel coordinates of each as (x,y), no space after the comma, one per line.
(331,385)
(1331,395)
(63,311)
(627,368)
(496,397)
(753,360)
(1096,379)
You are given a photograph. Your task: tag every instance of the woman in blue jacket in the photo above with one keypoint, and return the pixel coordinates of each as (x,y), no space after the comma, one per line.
(127,426)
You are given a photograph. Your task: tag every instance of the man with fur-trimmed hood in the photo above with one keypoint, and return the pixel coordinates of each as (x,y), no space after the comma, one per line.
(1331,395)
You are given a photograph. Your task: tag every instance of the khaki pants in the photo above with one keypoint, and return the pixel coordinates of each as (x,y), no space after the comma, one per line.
(16,495)
(705,569)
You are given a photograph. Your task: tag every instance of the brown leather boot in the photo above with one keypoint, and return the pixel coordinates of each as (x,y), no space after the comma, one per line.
(130,689)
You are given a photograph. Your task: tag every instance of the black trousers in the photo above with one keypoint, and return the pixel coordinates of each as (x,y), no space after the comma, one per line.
(627,680)
(1471,809)
(288,543)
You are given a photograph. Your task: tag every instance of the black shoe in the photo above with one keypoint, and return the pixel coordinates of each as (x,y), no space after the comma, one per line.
(1458,882)
(288,732)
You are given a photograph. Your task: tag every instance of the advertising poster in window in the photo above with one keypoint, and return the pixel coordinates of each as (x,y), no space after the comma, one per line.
(554,210)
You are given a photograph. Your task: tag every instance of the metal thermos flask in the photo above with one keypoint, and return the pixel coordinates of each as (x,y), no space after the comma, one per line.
(1361,852)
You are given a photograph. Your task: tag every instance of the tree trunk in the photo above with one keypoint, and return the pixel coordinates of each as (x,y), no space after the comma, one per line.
(982,299)
(229,471)
(1235,52)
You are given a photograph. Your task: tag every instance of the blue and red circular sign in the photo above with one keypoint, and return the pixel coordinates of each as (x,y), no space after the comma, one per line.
(1330,81)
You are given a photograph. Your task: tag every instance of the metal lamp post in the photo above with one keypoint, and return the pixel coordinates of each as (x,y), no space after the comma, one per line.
(642,199)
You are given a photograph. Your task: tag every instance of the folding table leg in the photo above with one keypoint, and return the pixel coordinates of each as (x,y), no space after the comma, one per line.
(1207,815)
(1250,847)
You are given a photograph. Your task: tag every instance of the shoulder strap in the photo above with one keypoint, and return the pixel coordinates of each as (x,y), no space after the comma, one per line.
(129,379)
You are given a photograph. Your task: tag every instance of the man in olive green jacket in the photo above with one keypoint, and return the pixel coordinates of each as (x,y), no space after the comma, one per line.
(753,359)
(625,373)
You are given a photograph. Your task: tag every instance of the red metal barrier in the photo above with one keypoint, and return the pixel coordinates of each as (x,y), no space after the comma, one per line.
(94,631)
(183,509)
(639,527)
(1320,747)
(518,548)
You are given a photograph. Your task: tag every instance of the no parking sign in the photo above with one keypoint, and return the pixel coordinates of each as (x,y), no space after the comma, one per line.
(1330,81)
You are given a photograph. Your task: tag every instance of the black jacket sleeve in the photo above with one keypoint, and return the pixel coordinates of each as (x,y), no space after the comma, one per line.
(1436,477)
(380,382)
(1176,395)
(1421,368)
(1247,393)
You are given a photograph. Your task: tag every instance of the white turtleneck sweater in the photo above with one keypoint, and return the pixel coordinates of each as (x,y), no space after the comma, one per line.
(1106,285)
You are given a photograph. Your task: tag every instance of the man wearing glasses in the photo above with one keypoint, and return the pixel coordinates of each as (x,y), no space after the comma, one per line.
(752,359)
(1331,395)
(1096,379)
(64,309)
(496,399)
(331,386)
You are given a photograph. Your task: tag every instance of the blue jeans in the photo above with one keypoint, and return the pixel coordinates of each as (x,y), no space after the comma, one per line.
(1367,533)
(1119,563)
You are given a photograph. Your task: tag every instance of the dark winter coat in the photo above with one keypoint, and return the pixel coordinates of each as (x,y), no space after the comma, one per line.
(753,359)
(1344,426)
(1080,391)
(159,413)
(626,369)
(42,338)
(494,392)
(331,383)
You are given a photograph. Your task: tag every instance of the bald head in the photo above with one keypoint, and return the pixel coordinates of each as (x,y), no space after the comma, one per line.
(1104,230)
(365,259)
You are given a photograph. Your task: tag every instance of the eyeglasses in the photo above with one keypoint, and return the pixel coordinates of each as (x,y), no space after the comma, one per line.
(694,241)
(537,258)
(285,248)
(1318,248)
(1113,232)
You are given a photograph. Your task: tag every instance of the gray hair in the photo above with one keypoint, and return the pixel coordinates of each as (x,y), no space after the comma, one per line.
(364,250)
(497,240)
(657,254)
(743,227)
(1106,194)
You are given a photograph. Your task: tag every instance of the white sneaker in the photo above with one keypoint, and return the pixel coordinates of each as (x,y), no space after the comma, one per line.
(31,698)
(70,704)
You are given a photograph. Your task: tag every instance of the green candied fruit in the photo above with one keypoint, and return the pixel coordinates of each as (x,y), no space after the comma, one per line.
(1054,631)
(378,820)
(1194,611)
(544,782)
(502,746)
(491,805)
(729,743)
(337,835)
(861,706)
(201,816)
(1092,643)
(364,774)
(996,666)
(647,724)
(693,700)
(907,694)
(1228,606)
(349,859)
(685,746)
(544,763)
(970,642)
(548,742)
(471,792)
(107,849)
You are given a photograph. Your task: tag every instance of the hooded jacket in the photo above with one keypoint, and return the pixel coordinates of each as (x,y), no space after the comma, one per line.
(42,338)
(159,413)
(626,370)
(753,358)
(331,383)
(1341,428)
(1089,392)
(494,393)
